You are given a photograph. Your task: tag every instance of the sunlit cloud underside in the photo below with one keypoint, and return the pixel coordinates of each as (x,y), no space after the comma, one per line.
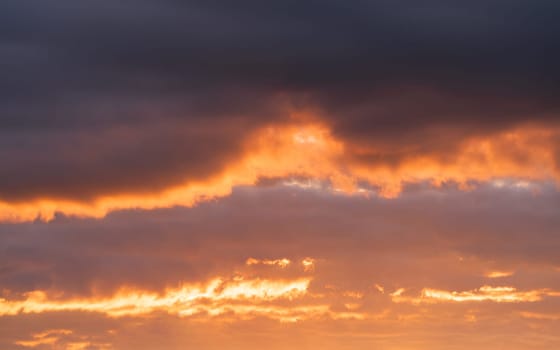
(310,151)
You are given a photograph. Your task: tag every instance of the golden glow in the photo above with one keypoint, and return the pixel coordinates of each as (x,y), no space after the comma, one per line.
(282,263)
(540,316)
(353,294)
(216,297)
(48,337)
(308,264)
(223,301)
(310,151)
(484,293)
(61,339)
(499,274)
(238,297)
(272,152)
(80,346)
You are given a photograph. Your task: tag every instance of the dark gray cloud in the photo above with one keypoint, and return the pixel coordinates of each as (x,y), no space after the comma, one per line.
(76,74)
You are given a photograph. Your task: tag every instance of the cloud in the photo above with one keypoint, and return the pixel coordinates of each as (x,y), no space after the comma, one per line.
(356,240)
(48,337)
(385,149)
(499,274)
(310,151)
(104,100)
(62,338)
(282,263)
(249,298)
(500,294)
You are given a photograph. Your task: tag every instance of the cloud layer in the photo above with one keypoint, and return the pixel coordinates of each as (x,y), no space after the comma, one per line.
(288,174)
(102,99)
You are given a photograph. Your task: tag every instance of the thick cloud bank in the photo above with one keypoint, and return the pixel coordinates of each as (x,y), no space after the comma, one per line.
(104,97)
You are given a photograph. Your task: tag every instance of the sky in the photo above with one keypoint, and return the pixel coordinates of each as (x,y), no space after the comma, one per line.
(335,175)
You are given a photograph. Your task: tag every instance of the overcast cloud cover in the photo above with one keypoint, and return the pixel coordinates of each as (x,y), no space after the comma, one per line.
(403,156)
(115,96)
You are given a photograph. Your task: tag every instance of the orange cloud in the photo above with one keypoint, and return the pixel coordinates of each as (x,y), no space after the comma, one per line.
(61,339)
(309,150)
(499,274)
(48,337)
(484,293)
(540,316)
(215,297)
(238,297)
(282,263)
(308,264)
